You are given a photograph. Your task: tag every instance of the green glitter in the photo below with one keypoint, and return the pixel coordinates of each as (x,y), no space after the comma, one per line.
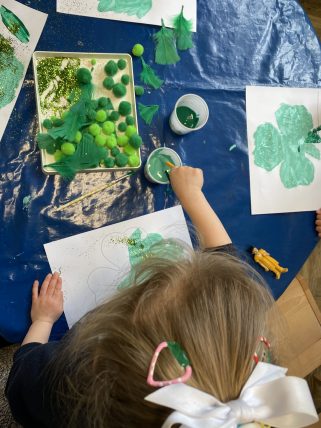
(14,25)
(57,79)
(11,72)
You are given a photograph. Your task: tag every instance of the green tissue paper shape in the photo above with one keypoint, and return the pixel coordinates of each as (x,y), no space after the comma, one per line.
(288,145)
(14,25)
(147,113)
(166,52)
(131,7)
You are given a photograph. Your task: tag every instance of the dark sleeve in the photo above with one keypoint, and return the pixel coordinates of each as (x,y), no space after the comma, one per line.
(27,389)
(228,249)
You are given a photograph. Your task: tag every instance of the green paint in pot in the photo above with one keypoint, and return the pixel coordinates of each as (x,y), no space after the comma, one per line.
(187,117)
(157,166)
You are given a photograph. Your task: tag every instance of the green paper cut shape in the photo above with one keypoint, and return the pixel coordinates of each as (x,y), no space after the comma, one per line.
(288,146)
(166,52)
(14,25)
(178,353)
(86,156)
(131,7)
(149,77)
(183,31)
(147,113)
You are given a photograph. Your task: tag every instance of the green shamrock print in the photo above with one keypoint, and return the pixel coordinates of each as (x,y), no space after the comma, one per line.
(289,145)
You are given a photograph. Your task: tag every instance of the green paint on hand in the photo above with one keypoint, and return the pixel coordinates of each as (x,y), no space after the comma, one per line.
(287,146)
(14,25)
(187,117)
(11,72)
(131,7)
(157,166)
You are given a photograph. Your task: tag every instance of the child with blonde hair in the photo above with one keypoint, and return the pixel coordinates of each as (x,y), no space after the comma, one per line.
(181,347)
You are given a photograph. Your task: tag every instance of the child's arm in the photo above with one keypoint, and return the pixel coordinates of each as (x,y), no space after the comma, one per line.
(187,183)
(318,222)
(47,306)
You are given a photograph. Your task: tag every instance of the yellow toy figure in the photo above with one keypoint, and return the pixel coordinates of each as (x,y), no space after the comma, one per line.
(267,262)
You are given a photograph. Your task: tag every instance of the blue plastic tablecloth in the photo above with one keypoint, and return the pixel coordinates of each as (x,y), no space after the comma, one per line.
(238,43)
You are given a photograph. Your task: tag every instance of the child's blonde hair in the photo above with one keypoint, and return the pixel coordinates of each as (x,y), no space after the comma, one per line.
(212,304)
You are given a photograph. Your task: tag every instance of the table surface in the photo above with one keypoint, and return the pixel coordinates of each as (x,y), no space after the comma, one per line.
(270,42)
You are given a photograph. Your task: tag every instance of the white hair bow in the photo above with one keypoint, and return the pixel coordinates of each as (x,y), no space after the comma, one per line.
(269,396)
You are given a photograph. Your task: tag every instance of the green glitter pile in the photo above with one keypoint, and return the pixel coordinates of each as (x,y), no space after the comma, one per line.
(11,72)
(87,136)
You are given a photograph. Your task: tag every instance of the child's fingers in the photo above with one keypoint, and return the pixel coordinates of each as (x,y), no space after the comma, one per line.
(58,287)
(35,291)
(52,284)
(45,284)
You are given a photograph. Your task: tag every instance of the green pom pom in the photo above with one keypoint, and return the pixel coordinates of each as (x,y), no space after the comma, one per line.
(101,116)
(94,104)
(114,116)
(58,122)
(122,127)
(135,141)
(111,141)
(119,90)
(125,79)
(139,91)
(93,61)
(111,68)
(91,115)
(129,150)
(138,49)
(109,162)
(122,63)
(103,102)
(95,129)
(122,140)
(131,130)
(130,120)
(47,124)
(133,161)
(108,83)
(58,155)
(121,160)
(125,108)
(115,151)
(101,140)
(108,127)
(83,75)
(68,149)
(78,137)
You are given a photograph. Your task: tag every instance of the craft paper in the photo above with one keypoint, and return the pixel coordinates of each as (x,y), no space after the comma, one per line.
(285,171)
(34,22)
(94,264)
(160,9)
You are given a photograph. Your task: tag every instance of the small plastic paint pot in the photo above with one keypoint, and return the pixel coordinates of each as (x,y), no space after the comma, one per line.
(161,155)
(197,105)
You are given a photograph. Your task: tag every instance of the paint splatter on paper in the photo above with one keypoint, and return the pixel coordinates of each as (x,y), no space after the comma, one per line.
(131,7)
(16,47)
(283,129)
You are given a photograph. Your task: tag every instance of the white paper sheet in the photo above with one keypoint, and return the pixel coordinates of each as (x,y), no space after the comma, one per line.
(34,22)
(160,9)
(268,193)
(93,264)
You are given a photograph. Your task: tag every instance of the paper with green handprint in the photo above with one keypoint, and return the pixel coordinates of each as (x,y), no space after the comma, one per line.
(284,149)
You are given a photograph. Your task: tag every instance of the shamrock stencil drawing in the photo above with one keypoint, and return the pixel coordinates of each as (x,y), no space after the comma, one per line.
(288,146)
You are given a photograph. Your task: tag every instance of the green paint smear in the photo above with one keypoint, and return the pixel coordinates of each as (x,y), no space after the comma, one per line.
(187,117)
(287,146)
(14,25)
(58,81)
(131,7)
(157,166)
(11,72)
(153,245)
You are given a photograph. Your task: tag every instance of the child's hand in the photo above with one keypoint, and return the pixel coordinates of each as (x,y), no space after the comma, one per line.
(318,222)
(186,181)
(48,303)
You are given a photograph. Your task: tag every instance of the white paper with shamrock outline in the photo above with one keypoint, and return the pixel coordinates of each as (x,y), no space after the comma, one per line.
(93,264)
(268,192)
